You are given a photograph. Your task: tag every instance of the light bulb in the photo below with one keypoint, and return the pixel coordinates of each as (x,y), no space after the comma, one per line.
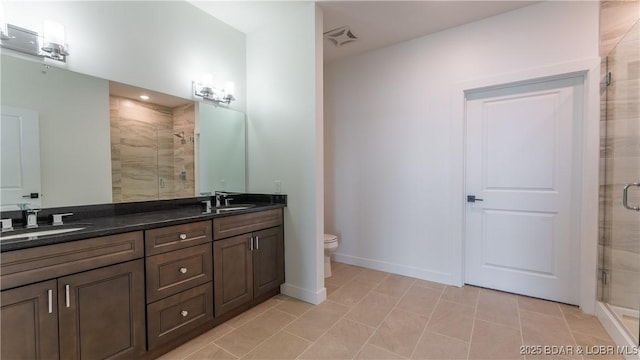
(54,33)
(229,88)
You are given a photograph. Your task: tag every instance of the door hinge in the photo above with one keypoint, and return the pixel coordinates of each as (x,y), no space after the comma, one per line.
(608,79)
(604,277)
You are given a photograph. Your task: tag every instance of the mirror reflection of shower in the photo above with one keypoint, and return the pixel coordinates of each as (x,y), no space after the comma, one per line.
(152,156)
(182,138)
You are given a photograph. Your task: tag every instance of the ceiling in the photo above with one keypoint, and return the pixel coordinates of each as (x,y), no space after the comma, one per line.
(376,24)
(132,92)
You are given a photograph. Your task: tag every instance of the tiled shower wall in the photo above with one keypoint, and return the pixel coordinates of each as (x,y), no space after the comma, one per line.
(619,241)
(147,159)
(184,118)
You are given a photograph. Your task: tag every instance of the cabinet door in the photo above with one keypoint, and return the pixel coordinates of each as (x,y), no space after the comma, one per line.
(232,273)
(268,260)
(102,313)
(29,318)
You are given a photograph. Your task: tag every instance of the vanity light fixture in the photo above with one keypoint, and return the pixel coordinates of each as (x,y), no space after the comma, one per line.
(54,46)
(206,90)
(4,34)
(26,41)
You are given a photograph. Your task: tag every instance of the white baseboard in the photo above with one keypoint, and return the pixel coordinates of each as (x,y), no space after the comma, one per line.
(616,330)
(312,297)
(399,269)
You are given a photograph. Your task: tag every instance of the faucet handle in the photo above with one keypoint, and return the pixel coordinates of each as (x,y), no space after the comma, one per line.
(7,224)
(31,218)
(57,218)
(207,206)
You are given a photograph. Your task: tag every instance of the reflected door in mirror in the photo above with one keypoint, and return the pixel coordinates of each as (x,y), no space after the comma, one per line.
(20,158)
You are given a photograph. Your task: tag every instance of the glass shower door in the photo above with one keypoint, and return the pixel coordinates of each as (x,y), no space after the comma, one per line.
(620,195)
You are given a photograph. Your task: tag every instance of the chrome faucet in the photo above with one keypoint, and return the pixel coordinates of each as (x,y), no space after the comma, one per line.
(223,197)
(31,218)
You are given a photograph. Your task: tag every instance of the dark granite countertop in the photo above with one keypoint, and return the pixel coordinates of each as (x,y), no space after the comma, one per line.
(110,224)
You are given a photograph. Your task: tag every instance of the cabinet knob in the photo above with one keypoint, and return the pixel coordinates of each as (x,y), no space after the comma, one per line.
(183,270)
(183,236)
(184,313)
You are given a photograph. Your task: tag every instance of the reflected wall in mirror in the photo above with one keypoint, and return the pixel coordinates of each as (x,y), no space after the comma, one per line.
(73,112)
(221,145)
(152,150)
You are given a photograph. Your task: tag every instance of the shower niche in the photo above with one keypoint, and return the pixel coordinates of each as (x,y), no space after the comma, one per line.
(152,150)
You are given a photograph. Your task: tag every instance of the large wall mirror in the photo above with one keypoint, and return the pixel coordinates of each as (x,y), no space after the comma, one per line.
(98,142)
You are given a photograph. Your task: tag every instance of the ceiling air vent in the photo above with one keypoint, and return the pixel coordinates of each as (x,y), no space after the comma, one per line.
(340,36)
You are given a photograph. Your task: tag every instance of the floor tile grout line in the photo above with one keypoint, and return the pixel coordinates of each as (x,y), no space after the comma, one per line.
(427,324)
(520,323)
(268,338)
(260,343)
(309,345)
(351,308)
(203,346)
(338,320)
(473,324)
(566,322)
(385,318)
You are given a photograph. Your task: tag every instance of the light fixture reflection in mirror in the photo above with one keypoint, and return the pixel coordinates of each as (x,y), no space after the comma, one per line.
(54,45)
(206,90)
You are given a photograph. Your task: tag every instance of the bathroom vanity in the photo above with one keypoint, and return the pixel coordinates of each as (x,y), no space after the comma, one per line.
(139,284)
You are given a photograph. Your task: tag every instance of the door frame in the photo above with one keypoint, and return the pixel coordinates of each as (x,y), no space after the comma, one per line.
(589,147)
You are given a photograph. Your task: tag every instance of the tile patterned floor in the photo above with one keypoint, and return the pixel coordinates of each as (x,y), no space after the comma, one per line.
(376,315)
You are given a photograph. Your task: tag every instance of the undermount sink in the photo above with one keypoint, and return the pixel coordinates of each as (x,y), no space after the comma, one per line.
(38,233)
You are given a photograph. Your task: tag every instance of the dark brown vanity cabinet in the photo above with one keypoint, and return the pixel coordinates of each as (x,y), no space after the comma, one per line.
(92,314)
(248,258)
(179,272)
(29,319)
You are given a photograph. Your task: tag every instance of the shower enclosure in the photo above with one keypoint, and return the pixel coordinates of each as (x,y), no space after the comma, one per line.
(619,240)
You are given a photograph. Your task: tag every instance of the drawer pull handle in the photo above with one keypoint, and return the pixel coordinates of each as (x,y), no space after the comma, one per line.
(183,270)
(183,236)
(66,296)
(184,313)
(50,300)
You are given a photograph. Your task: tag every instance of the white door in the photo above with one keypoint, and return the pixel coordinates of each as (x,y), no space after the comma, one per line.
(19,158)
(522,164)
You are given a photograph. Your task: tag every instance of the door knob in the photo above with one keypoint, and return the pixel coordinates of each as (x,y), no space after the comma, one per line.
(473,198)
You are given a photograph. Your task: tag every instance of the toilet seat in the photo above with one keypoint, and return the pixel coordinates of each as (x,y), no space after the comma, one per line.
(329,238)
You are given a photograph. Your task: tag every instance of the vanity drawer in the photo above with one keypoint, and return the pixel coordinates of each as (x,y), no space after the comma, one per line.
(241,224)
(179,314)
(172,272)
(32,265)
(176,237)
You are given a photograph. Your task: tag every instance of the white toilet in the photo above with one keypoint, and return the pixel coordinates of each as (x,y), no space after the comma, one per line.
(330,246)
